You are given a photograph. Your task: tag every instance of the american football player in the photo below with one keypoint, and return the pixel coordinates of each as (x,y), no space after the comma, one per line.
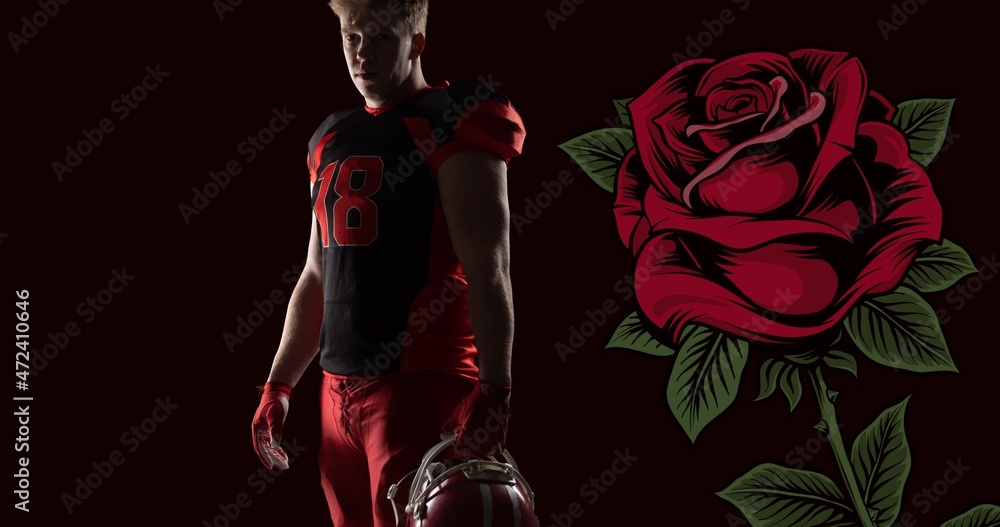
(406,293)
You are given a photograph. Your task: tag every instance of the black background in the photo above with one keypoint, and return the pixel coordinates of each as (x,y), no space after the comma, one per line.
(162,335)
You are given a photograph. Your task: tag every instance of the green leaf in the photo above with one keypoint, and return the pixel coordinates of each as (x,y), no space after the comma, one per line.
(900,330)
(842,361)
(938,267)
(805,358)
(632,335)
(985,515)
(769,372)
(881,461)
(924,123)
(774,496)
(621,108)
(600,152)
(822,426)
(705,377)
(792,387)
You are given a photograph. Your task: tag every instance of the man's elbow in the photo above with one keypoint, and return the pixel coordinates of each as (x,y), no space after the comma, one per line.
(491,268)
(310,281)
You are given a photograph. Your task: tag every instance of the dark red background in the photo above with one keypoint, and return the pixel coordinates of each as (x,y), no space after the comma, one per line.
(162,336)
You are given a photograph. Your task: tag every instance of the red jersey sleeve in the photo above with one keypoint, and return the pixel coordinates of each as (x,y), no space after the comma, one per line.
(494,125)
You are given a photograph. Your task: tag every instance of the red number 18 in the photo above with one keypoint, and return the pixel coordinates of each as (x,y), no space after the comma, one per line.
(365,228)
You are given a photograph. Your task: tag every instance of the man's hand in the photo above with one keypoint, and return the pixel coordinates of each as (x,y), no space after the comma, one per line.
(482,421)
(267,424)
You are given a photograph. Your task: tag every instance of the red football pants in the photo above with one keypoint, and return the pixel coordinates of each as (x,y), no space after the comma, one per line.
(374,432)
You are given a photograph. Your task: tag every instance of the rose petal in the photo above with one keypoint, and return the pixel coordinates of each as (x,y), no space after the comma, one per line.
(815,109)
(721,138)
(734,231)
(672,293)
(842,76)
(722,270)
(782,277)
(751,185)
(718,135)
(842,215)
(696,128)
(721,101)
(841,202)
(633,226)
(891,147)
(659,118)
(762,68)
(779,85)
(913,217)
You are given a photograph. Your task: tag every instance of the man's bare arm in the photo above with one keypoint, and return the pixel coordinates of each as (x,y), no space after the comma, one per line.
(473,188)
(303,320)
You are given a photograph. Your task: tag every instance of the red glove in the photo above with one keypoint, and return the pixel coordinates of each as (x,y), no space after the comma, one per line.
(482,421)
(267,424)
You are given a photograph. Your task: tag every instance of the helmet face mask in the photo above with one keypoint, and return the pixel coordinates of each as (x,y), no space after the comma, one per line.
(467,493)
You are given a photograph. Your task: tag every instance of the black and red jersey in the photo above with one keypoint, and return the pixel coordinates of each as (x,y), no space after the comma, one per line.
(393,289)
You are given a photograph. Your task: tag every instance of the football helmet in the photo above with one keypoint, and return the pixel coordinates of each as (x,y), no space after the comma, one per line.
(464,493)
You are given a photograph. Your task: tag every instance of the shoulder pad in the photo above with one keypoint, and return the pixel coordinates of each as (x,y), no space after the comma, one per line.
(328,123)
(481,88)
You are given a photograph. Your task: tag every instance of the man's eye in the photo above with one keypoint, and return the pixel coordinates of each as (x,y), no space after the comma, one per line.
(351,38)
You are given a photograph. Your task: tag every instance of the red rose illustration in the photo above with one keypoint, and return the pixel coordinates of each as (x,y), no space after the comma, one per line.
(768,193)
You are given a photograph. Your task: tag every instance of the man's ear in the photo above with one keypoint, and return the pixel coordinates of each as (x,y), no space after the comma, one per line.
(418,46)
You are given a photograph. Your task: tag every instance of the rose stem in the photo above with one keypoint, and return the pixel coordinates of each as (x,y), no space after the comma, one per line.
(829,415)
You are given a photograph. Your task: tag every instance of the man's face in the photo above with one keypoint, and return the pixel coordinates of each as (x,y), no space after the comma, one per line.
(379,54)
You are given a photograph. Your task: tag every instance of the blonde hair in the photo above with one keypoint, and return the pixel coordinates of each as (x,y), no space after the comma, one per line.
(411,14)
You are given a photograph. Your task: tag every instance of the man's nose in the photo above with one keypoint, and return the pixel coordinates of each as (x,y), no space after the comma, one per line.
(364,50)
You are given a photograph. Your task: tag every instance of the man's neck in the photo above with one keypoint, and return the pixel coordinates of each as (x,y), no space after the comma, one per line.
(413,84)
(405,91)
